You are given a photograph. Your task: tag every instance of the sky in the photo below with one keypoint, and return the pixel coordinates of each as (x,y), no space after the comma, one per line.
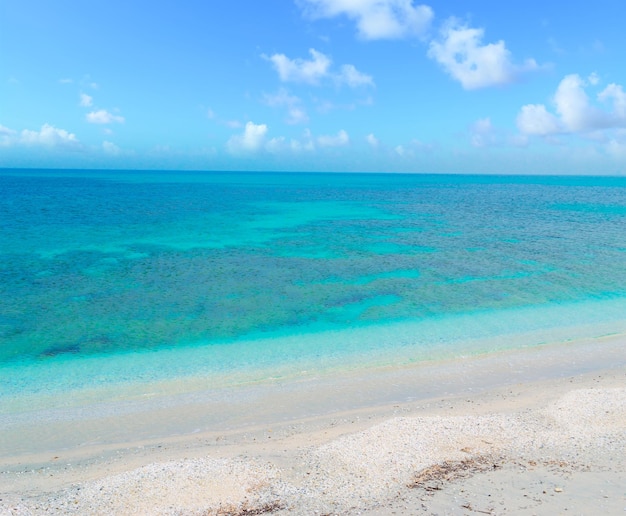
(472,86)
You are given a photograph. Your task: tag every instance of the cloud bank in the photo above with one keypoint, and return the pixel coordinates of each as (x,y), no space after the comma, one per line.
(574,111)
(460,52)
(339,140)
(102,116)
(296,113)
(315,70)
(376,19)
(47,136)
(251,140)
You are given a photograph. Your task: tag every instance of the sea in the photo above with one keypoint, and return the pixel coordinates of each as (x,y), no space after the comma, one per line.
(119,279)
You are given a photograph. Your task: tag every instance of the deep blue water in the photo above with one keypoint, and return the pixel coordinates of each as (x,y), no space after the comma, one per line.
(102,263)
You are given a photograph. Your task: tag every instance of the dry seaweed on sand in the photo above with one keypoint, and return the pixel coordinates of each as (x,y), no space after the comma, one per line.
(248,510)
(431,478)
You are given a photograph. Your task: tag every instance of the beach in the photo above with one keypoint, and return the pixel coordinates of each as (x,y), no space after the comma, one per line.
(530,431)
(242,344)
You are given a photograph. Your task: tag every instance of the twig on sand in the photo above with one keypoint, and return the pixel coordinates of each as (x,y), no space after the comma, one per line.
(449,471)
(470,508)
(250,511)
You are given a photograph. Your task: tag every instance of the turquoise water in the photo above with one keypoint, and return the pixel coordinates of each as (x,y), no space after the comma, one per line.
(109,278)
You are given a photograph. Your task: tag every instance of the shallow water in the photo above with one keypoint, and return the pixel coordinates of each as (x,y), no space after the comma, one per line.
(115,278)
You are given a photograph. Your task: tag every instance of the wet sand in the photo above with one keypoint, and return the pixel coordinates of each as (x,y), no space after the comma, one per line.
(535,431)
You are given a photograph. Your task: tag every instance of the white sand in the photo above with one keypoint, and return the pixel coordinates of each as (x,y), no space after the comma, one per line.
(549,445)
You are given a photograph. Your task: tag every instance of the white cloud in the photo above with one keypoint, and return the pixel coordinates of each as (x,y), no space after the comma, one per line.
(572,104)
(7,136)
(307,142)
(251,140)
(574,110)
(327,143)
(102,116)
(281,145)
(110,148)
(5,131)
(255,139)
(615,92)
(301,70)
(483,125)
(340,140)
(352,77)
(65,81)
(535,119)
(86,100)
(281,98)
(296,113)
(277,145)
(317,69)
(413,149)
(594,78)
(210,114)
(372,140)
(48,136)
(482,133)
(459,50)
(376,19)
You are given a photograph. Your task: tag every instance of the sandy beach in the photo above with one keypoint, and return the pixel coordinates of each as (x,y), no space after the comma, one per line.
(533,431)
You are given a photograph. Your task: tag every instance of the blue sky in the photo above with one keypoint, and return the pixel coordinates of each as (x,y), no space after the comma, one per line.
(470,86)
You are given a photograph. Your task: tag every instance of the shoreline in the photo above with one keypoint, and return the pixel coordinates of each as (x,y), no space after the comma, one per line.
(161,410)
(266,435)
